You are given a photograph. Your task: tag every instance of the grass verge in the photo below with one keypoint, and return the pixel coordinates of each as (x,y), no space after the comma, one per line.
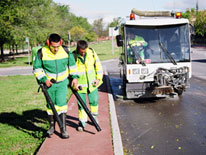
(17,61)
(23,122)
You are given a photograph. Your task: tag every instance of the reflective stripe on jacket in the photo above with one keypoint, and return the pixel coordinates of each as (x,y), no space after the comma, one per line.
(54,66)
(89,69)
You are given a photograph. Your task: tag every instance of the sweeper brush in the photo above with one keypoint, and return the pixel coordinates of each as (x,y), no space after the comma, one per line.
(163,90)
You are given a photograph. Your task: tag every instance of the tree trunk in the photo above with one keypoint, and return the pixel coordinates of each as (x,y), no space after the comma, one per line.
(13,50)
(10,51)
(2,51)
(16,49)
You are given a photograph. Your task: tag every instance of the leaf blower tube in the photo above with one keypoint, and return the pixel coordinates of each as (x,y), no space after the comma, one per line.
(85,107)
(49,101)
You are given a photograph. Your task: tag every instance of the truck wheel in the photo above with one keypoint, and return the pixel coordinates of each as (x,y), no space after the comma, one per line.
(179,91)
(124,86)
(120,73)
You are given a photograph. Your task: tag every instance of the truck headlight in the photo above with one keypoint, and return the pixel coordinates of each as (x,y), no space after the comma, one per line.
(144,71)
(135,71)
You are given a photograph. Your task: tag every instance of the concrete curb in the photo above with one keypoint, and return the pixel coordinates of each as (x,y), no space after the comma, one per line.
(117,140)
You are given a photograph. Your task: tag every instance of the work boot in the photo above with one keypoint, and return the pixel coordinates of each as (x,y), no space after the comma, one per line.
(81,126)
(51,124)
(64,133)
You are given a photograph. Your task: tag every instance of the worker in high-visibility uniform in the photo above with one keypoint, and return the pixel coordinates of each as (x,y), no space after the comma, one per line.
(90,78)
(135,48)
(34,52)
(54,62)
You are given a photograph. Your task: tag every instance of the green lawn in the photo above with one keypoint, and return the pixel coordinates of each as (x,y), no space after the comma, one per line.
(23,120)
(18,61)
(104,50)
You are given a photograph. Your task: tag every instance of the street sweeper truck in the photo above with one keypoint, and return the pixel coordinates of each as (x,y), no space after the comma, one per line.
(156,54)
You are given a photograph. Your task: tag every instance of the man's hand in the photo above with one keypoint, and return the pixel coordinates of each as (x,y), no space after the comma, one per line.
(96,82)
(48,83)
(75,84)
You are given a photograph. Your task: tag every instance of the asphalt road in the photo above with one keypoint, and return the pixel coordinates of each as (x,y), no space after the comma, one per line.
(11,71)
(165,126)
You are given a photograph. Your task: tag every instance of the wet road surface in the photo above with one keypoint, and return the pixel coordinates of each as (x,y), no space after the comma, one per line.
(174,126)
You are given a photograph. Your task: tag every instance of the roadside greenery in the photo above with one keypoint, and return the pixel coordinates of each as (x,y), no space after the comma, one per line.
(200,23)
(23,122)
(36,19)
(18,61)
(198,19)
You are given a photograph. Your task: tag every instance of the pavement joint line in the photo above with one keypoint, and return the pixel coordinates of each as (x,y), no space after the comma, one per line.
(116,136)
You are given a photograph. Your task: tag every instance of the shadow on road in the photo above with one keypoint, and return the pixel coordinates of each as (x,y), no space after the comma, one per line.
(200,60)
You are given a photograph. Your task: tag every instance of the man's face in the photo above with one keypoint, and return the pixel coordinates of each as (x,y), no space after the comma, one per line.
(54,46)
(82,51)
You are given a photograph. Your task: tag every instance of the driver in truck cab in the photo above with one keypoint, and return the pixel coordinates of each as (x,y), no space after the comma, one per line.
(135,49)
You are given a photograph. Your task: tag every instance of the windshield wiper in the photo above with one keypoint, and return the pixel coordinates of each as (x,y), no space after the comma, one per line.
(167,52)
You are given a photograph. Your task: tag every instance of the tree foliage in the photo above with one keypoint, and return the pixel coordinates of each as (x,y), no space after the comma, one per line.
(115,22)
(36,19)
(98,27)
(190,15)
(200,24)
(198,19)
(77,33)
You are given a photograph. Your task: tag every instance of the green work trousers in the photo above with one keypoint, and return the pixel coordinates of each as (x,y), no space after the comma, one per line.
(58,94)
(93,102)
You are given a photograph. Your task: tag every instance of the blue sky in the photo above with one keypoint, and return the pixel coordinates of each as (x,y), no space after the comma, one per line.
(109,9)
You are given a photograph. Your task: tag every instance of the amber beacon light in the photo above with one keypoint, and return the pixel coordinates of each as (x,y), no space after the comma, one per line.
(132,16)
(178,14)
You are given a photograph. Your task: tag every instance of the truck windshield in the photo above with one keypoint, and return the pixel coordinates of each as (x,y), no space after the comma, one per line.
(143,44)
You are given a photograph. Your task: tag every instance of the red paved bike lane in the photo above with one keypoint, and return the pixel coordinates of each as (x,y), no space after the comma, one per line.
(89,142)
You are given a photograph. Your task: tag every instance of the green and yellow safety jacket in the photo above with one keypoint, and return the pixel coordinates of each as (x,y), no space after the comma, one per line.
(89,69)
(54,66)
(136,47)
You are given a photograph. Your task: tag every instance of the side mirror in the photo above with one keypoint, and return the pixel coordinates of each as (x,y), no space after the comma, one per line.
(119,40)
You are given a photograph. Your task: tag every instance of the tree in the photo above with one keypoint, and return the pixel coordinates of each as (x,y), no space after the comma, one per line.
(91,36)
(82,22)
(200,23)
(77,33)
(6,21)
(190,15)
(115,22)
(36,19)
(98,27)
(23,18)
